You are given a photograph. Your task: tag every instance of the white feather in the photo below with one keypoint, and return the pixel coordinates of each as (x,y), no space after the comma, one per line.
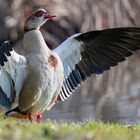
(70,53)
(6,83)
(16,68)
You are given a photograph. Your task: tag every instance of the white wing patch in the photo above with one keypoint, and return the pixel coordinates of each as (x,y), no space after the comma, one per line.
(70,53)
(6,83)
(12,74)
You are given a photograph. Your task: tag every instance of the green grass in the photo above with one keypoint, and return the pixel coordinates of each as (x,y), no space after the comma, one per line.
(23,130)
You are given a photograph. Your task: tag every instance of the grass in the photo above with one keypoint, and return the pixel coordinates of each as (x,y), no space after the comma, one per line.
(22,130)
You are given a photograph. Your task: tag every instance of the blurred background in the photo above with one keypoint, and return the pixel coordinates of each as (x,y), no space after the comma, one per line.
(113,96)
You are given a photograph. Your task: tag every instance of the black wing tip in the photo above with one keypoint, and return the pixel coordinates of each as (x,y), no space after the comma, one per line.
(5,48)
(88,35)
(95,33)
(7,42)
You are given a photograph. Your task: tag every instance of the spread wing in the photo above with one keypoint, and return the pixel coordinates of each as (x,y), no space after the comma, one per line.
(12,66)
(93,53)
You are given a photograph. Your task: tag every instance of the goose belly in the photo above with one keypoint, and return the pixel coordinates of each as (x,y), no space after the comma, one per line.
(51,85)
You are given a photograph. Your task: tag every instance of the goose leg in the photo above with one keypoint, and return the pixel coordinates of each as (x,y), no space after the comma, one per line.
(31,118)
(39,118)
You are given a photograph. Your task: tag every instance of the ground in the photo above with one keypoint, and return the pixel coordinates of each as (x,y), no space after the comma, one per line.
(11,129)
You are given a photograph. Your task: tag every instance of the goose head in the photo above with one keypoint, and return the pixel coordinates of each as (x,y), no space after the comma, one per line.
(37,19)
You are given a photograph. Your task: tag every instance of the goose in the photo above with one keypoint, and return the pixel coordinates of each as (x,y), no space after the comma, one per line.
(42,77)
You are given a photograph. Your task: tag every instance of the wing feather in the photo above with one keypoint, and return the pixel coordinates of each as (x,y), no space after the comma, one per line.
(93,53)
(12,73)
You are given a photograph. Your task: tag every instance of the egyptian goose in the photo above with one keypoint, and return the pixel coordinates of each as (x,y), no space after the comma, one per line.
(42,76)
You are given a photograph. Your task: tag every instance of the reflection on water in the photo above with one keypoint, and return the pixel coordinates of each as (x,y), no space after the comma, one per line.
(113,96)
(123,111)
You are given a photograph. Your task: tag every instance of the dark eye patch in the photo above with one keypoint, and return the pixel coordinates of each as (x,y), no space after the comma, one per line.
(39,13)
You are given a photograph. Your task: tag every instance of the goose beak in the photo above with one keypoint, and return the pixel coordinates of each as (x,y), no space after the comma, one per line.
(48,16)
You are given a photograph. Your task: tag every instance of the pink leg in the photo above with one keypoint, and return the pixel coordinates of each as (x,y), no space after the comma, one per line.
(39,118)
(30,116)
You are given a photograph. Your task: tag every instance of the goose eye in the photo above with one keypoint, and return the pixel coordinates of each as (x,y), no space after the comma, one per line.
(39,13)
